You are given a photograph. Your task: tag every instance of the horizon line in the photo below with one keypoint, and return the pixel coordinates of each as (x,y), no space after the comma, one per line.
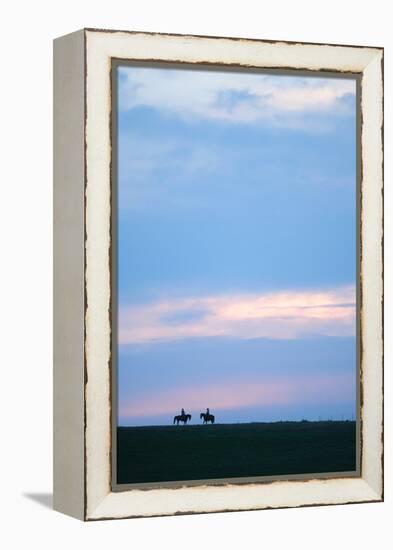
(302,421)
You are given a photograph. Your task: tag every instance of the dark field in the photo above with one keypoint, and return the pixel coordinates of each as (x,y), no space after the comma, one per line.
(175,453)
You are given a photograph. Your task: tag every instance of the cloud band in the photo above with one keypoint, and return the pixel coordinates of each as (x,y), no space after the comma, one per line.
(278,315)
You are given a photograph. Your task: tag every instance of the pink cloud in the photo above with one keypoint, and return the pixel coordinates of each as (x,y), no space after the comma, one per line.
(279,315)
(236,394)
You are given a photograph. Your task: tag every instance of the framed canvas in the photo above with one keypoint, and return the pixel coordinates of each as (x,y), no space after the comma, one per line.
(218,268)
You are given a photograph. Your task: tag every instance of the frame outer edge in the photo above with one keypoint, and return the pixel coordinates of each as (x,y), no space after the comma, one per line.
(68,295)
(372,274)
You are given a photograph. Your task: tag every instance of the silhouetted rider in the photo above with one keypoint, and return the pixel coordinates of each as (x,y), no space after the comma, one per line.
(208,411)
(182,412)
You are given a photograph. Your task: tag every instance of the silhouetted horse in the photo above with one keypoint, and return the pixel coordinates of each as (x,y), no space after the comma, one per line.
(207,418)
(182,418)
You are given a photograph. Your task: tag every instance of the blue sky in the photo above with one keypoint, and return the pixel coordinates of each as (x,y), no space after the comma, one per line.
(237,245)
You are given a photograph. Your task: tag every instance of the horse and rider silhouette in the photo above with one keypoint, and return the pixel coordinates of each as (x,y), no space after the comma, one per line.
(207,417)
(183,417)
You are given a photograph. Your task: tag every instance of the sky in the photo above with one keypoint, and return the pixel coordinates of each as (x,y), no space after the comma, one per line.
(236,246)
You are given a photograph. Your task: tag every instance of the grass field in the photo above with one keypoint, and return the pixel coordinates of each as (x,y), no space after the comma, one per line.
(175,453)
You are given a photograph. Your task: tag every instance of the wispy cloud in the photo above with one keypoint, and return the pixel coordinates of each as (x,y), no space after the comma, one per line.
(235,394)
(150,164)
(234,97)
(279,315)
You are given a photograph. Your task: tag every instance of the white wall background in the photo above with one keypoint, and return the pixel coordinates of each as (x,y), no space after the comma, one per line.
(26,293)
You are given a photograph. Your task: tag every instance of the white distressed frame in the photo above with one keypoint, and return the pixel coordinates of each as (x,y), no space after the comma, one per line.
(99,502)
